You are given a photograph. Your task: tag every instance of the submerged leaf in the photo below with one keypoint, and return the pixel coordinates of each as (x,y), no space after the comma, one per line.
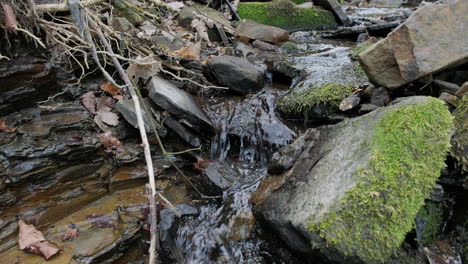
(4,127)
(33,241)
(89,101)
(101,221)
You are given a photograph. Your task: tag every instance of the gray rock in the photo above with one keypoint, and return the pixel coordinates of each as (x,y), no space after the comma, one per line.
(367,108)
(179,103)
(335,8)
(427,42)
(122,24)
(127,109)
(252,30)
(380,96)
(236,73)
(285,158)
(447,86)
(264,46)
(449,98)
(183,132)
(350,102)
(437,195)
(218,177)
(322,176)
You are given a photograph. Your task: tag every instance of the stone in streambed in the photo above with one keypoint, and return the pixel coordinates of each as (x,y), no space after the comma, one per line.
(428,41)
(179,103)
(356,190)
(127,109)
(252,30)
(238,74)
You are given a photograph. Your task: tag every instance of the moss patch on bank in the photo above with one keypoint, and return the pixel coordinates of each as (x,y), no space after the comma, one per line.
(431,217)
(408,150)
(300,103)
(291,18)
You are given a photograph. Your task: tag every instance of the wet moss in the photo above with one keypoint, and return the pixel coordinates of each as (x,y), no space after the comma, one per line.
(408,151)
(431,217)
(460,138)
(300,103)
(360,48)
(289,17)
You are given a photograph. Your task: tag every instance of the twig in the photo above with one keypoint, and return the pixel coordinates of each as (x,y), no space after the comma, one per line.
(188,80)
(62,7)
(3,57)
(144,139)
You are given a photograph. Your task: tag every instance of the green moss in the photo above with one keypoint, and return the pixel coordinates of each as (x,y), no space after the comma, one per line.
(298,2)
(289,18)
(358,49)
(460,138)
(431,217)
(300,103)
(289,47)
(408,151)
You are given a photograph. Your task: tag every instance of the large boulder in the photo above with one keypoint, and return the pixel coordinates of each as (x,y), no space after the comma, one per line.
(430,40)
(179,103)
(238,74)
(250,29)
(354,191)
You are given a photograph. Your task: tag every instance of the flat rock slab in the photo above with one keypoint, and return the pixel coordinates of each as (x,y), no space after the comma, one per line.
(179,103)
(431,39)
(238,74)
(127,109)
(250,29)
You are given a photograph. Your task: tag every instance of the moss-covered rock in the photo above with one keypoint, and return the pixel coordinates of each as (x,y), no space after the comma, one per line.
(460,137)
(356,191)
(303,103)
(284,14)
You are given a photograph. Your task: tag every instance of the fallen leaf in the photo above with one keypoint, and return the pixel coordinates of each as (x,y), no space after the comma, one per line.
(201,27)
(105,115)
(10,18)
(191,51)
(113,90)
(33,241)
(101,221)
(4,127)
(146,70)
(111,143)
(89,101)
(104,111)
(71,233)
(73,140)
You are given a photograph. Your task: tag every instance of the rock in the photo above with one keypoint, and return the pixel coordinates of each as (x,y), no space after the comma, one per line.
(188,13)
(241,225)
(183,132)
(448,87)
(127,109)
(427,42)
(217,178)
(437,194)
(335,8)
(285,14)
(350,102)
(252,30)
(261,45)
(463,90)
(285,158)
(449,98)
(366,108)
(236,73)
(380,96)
(179,103)
(351,194)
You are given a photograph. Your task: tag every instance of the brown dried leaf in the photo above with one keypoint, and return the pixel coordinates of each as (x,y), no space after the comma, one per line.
(33,241)
(111,143)
(4,127)
(106,101)
(113,90)
(89,101)
(71,233)
(191,51)
(10,18)
(137,71)
(106,116)
(201,27)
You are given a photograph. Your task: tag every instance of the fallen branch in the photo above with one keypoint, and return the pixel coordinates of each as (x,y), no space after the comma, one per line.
(62,7)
